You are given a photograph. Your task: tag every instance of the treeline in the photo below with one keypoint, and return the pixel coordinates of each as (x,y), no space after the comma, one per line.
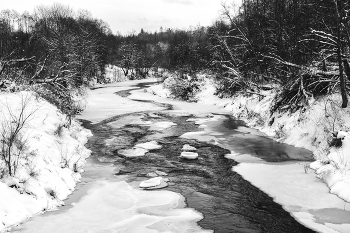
(54,51)
(170,49)
(300,45)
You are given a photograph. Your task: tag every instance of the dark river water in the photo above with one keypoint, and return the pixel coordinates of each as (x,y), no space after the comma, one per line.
(228,202)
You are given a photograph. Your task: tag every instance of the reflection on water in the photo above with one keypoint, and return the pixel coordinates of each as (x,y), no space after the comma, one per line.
(240,139)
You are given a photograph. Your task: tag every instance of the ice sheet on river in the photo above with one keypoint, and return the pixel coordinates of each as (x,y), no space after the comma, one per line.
(103,102)
(159,126)
(300,193)
(118,207)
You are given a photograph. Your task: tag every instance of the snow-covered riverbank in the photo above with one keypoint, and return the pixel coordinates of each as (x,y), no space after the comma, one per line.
(300,191)
(47,158)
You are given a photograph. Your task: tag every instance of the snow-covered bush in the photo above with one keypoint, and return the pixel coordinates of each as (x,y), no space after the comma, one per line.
(183,87)
(334,169)
(70,102)
(231,85)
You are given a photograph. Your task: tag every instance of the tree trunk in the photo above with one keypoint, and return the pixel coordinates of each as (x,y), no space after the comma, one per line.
(342,84)
(338,5)
(324,66)
(346,68)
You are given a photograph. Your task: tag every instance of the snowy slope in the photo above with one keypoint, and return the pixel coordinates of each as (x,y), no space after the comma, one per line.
(50,161)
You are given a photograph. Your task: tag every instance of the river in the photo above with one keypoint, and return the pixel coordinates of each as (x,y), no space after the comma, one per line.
(201,195)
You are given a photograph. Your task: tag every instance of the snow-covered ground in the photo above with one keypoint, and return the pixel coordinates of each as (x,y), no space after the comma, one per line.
(299,189)
(47,157)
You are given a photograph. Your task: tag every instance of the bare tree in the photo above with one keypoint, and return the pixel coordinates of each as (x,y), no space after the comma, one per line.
(335,42)
(129,56)
(12,141)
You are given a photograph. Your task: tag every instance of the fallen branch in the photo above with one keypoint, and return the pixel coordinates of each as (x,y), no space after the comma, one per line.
(300,67)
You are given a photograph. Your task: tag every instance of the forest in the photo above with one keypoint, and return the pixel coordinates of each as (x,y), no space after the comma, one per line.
(298,47)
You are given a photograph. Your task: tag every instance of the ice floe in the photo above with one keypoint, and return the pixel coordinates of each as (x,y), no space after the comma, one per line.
(151,182)
(154,183)
(187,147)
(156,173)
(159,126)
(189,155)
(152,145)
(140,149)
(134,152)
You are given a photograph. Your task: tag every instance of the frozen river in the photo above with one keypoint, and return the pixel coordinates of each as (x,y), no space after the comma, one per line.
(208,194)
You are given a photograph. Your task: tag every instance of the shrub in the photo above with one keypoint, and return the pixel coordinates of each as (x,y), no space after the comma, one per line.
(280,132)
(67,101)
(183,87)
(230,85)
(12,141)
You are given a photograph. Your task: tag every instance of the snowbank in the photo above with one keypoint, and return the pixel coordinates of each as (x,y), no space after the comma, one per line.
(334,169)
(47,158)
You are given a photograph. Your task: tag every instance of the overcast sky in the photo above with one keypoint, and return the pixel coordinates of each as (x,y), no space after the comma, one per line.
(127,15)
